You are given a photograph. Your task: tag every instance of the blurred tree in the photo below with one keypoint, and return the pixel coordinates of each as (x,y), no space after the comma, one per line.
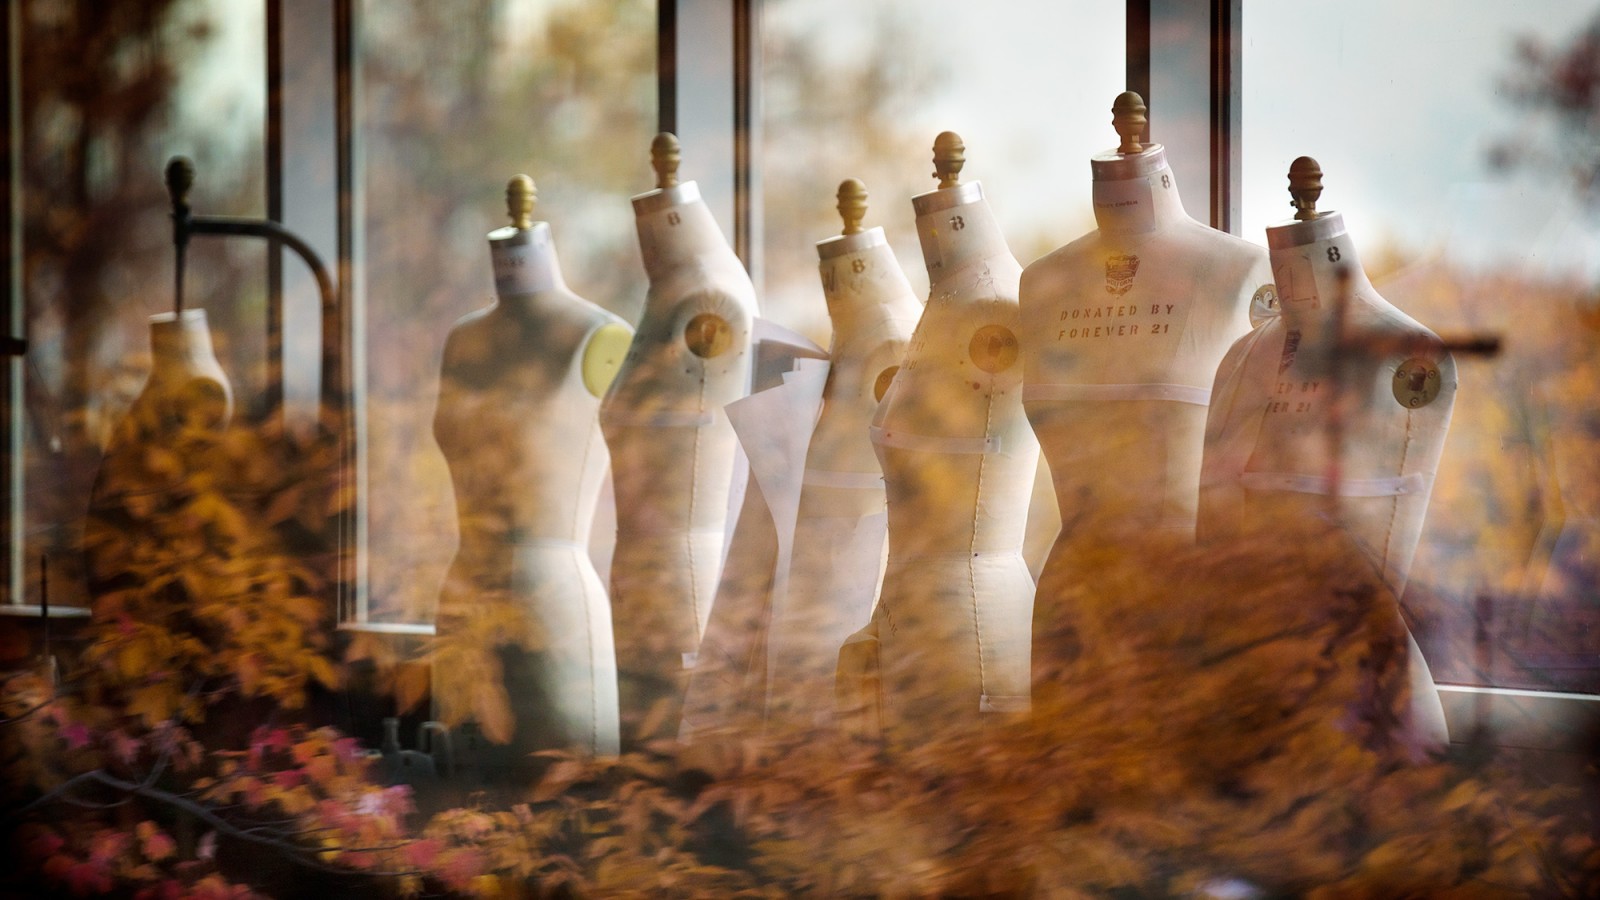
(100,91)
(456,99)
(1563,82)
(833,111)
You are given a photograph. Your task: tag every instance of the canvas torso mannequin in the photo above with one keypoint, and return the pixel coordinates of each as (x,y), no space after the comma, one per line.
(186,385)
(186,389)
(841,526)
(1122,332)
(958,458)
(1269,459)
(518,423)
(672,447)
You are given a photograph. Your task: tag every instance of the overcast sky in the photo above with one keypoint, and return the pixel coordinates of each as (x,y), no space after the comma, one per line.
(1398,101)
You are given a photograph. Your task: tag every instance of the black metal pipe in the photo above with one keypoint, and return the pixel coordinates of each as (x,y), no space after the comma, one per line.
(225,226)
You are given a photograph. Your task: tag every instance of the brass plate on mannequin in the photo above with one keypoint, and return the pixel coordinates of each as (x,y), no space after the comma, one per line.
(1416,383)
(708,335)
(993,348)
(881,386)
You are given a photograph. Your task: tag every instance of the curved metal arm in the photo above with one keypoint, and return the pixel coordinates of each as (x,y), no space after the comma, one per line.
(337,387)
(180,178)
(266,228)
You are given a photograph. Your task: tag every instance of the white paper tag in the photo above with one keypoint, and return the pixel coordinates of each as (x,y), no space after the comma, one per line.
(1296,281)
(1129,201)
(522,268)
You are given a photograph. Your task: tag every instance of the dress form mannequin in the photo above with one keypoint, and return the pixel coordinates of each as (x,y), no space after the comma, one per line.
(187,386)
(1123,329)
(1122,332)
(672,446)
(518,422)
(958,458)
(1269,460)
(186,389)
(841,525)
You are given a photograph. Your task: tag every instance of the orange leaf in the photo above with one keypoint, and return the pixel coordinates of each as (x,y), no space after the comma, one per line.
(410,686)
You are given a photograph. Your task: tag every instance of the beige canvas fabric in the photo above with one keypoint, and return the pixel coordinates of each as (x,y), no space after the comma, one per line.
(673,451)
(1269,461)
(953,618)
(520,432)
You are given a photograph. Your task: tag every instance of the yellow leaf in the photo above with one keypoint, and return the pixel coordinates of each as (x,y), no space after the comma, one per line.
(493,711)
(133,660)
(410,686)
(153,703)
(560,777)
(322,670)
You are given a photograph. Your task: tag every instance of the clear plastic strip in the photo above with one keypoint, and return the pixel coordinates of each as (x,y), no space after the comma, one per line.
(904,440)
(1179,393)
(1394,486)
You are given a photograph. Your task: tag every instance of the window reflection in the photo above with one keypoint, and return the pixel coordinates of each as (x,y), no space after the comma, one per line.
(455,99)
(107,96)
(1028,85)
(1409,107)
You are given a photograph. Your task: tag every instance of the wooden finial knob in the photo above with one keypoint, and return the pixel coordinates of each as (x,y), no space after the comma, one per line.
(1305,186)
(520,196)
(949,155)
(852,204)
(664,158)
(1128,117)
(180,178)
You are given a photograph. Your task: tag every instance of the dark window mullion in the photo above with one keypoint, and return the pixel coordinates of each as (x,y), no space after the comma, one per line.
(1225,114)
(667,65)
(273,401)
(344,334)
(11,404)
(1138,49)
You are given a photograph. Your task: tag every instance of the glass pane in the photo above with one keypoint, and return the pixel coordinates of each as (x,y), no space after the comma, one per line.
(1454,183)
(98,127)
(455,99)
(1027,85)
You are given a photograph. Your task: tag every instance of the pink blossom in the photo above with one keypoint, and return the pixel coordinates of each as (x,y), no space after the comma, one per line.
(108,845)
(89,878)
(288,778)
(458,866)
(154,843)
(46,844)
(347,749)
(76,734)
(170,889)
(421,854)
(124,747)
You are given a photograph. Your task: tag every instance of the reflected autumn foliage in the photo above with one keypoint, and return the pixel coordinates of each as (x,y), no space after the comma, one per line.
(1206,721)
(1223,719)
(1513,530)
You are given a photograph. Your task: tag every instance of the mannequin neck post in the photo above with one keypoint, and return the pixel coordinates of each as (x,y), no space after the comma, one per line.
(524,261)
(676,227)
(1313,262)
(956,228)
(1135,193)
